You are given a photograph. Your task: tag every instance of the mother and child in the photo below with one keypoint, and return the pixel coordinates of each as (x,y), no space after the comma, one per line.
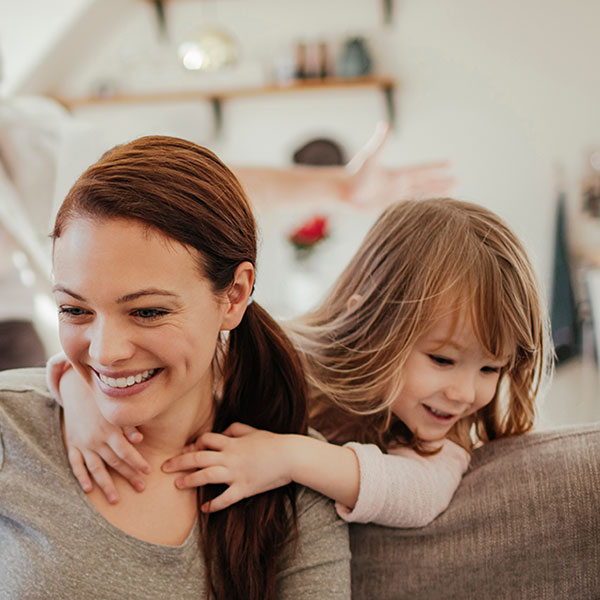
(434,340)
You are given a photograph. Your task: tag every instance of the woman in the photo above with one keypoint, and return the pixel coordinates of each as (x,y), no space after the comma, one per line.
(154,251)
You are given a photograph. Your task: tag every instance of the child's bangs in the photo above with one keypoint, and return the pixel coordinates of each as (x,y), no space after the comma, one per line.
(492,316)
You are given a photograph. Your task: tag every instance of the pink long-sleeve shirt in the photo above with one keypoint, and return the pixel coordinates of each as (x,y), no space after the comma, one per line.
(403,488)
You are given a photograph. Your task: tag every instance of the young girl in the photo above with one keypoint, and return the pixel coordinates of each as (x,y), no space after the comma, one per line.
(433,340)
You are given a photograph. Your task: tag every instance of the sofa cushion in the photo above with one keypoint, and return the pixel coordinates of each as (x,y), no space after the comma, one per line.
(524,523)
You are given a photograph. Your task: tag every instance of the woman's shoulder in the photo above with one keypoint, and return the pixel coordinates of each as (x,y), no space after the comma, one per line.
(25,380)
(314,510)
(320,557)
(24,398)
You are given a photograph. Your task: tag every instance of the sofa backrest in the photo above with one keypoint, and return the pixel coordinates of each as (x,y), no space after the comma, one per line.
(524,523)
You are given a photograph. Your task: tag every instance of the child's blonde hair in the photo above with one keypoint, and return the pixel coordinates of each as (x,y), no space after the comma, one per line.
(421,261)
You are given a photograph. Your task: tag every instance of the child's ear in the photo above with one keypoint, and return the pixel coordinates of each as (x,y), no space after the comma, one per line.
(354,301)
(237,296)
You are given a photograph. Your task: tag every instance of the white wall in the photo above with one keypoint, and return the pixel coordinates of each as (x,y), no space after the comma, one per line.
(28,30)
(507,91)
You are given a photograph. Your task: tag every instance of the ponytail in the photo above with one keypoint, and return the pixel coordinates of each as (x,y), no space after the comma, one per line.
(263,386)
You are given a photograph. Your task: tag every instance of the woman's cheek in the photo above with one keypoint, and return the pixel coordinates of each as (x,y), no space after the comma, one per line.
(70,340)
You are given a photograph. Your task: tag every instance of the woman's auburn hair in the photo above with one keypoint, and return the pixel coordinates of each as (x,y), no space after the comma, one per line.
(421,261)
(185,192)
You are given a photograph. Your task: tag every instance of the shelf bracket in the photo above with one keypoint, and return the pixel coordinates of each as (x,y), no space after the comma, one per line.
(388,91)
(217,114)
(388,10)
(161,18)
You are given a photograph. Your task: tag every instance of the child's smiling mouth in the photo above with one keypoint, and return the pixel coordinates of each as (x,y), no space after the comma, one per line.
(439,414)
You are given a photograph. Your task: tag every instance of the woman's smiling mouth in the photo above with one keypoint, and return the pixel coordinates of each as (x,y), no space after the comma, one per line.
(130,380)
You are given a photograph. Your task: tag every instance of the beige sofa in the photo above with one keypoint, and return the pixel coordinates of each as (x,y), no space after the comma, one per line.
(524,524)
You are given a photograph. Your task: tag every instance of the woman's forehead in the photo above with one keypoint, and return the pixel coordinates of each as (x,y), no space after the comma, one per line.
(118,251)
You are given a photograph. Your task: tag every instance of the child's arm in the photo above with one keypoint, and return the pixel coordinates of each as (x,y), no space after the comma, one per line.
(403,488)
(252,461)
(91,441)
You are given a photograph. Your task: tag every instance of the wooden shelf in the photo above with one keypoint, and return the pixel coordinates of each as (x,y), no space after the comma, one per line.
(299,85)
(217,97)
(387,7)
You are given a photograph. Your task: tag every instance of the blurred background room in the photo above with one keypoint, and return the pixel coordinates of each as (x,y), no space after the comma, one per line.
(504,92)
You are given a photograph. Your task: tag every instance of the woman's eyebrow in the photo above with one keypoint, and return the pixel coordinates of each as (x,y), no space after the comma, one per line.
(60,288)
(123,299)
(147,292)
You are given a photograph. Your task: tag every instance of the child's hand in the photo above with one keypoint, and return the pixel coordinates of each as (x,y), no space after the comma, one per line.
(92,442)
(249,460)
(55,368)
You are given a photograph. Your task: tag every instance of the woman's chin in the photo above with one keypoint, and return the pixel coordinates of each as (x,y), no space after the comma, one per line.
(122,414)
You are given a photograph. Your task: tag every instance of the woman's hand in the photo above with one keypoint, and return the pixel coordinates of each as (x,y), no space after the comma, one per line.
(248,460)
(92,442)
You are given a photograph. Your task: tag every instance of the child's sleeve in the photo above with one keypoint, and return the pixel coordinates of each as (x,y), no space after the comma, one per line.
(403,488)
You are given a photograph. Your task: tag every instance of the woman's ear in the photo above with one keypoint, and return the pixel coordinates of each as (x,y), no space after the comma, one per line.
(354,301)
(237,295)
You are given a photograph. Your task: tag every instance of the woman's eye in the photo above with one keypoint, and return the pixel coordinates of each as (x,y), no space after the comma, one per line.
(71,311)
(149,314)
(440,360)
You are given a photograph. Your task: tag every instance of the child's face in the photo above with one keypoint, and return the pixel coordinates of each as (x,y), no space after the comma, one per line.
(447,377)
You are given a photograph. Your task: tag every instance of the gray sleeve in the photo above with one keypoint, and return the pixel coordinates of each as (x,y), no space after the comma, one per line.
(317,565)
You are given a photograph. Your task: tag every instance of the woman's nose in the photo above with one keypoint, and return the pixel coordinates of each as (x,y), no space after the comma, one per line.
(108,343)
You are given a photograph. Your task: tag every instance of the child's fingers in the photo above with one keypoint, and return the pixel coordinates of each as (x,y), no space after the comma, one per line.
(192,461)
(238,430)
(132,434)
(55,367)
(230,496)
(127,453)
(217,474)
(79,470)
(124,469)
(214,441)
(100,475)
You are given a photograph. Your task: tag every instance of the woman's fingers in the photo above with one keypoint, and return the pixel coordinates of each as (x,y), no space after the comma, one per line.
(371,149)
(79,469)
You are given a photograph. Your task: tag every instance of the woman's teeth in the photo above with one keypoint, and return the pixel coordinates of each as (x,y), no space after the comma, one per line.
(123,382)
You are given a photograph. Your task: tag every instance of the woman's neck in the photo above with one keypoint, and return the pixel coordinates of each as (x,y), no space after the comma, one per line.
(168,436)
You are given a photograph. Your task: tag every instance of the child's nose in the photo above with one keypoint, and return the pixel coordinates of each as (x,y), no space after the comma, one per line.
(461,388)
(108,343)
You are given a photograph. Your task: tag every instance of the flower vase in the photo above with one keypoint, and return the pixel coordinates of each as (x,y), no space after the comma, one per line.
(304,287)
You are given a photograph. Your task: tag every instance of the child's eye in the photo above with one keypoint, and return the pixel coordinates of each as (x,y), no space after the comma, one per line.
(440,360)
(149,314)
(490,369)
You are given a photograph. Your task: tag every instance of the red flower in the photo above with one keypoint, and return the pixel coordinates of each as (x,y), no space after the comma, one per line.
(310,232)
